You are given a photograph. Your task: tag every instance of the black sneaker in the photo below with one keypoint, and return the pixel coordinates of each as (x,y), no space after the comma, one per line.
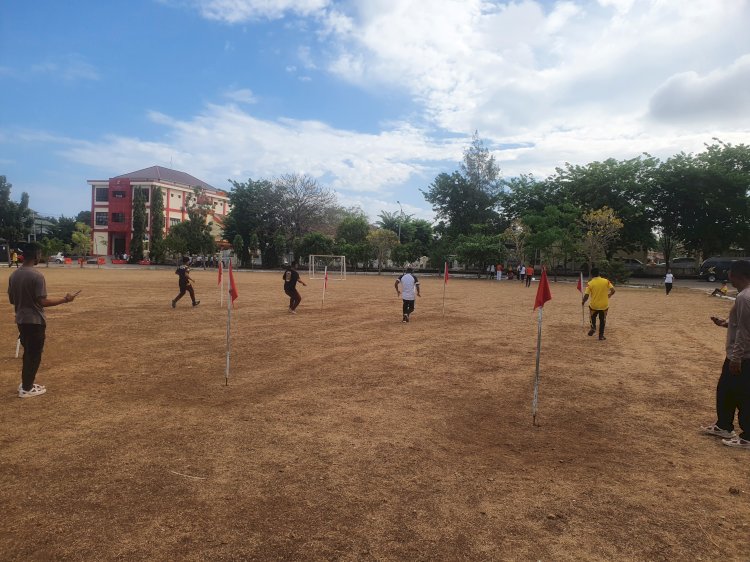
(196,303)
(602,338)
(174,304)
(591,332)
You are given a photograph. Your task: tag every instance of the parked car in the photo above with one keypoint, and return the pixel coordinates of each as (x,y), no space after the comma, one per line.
(716,268)
(631,264)
(59,257)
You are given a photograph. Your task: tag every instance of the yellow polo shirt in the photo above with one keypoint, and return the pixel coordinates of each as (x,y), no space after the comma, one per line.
(598,291)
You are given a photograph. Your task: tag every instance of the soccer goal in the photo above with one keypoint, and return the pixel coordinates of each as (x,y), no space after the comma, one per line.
(336,267)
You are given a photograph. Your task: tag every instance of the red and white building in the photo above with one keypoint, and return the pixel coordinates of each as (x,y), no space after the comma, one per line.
(112,205)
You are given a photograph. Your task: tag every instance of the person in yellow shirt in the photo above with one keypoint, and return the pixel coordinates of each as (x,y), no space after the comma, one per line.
(600,290)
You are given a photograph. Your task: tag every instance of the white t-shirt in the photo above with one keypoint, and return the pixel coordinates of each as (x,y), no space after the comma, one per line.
(669,278)
(408,285)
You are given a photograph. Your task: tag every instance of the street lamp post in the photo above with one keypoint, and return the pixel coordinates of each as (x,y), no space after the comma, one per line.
(400,218)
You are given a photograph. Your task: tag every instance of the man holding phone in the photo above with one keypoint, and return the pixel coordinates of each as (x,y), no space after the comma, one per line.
(27,292)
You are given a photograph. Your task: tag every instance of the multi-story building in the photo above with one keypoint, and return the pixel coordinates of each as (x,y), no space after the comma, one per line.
(112,205)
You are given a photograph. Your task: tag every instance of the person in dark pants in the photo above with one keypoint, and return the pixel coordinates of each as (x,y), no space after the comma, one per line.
(600,290)
(733,388)
(409,287)
(668,281)
(27,292)
(186,283)
(291,278)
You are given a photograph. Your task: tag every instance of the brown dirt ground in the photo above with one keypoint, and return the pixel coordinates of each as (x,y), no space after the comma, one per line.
(346,435)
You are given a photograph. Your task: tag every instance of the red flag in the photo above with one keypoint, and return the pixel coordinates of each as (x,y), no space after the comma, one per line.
(543,293)
(221,270)
(445,277)
(232,287)
(579,285)
(325,283)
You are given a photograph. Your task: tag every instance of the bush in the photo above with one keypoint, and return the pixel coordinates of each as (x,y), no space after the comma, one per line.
(615,271)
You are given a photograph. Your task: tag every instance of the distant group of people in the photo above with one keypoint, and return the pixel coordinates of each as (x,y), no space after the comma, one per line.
(522,272)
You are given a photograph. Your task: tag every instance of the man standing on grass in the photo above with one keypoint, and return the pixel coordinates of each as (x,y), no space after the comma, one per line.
(291,278)
(733,389)
(409,285)
(27,292)
(600,290)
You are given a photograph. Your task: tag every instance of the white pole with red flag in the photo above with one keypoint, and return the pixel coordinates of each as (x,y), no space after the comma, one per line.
(230,301)
(220,283)
(325,286)
(445,282)
(543,294)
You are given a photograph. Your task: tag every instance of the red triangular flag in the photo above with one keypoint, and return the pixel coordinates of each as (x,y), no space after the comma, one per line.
(221,271)
(232,287)
(446,273)
(543,293)
(579,285)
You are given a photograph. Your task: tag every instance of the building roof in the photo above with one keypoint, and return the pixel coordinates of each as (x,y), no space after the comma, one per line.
(159,173)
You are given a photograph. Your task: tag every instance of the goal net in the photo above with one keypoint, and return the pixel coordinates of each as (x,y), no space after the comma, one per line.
(336,267)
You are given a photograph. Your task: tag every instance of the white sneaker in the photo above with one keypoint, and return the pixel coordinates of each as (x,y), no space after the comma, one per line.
(718,432)
(36,390)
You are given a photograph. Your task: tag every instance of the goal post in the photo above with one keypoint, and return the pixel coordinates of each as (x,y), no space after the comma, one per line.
(336,266)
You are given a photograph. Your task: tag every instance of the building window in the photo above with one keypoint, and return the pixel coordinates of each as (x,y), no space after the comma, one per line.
(102,194)
(118,195)
(118,217)
(101,219)
(173,222)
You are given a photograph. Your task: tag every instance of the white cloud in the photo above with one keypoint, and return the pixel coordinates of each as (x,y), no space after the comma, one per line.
(720,96)
(70,68)
(242,95)
(237,11)
(224,141)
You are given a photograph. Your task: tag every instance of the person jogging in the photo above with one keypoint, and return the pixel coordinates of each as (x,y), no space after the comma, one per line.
(409,286)
(291,278)
(185,282)
(600,290)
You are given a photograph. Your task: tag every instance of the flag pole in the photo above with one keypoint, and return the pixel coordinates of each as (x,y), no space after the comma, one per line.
(536,376)
(325,286)
(229,333)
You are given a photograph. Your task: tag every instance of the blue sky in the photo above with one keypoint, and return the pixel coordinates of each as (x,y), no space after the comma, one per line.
(373,98)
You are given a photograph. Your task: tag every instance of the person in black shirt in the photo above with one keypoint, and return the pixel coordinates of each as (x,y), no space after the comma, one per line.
(291,277)
(185,283)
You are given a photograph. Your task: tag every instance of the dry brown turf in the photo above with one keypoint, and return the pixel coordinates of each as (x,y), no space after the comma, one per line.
(345,435)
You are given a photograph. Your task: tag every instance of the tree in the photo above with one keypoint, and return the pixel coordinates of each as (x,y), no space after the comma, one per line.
(82,240)
(156,240)
(399,223)
(84,217)
(600,228)
(622,186)
(49,247)
(305,203)
(253,246)
(458,204)
(239,245)
(516,235)
(64,229)
(257,209)
(313,243)
(554,233)
(192,236)
(480,249)
(382,242)
(353,230)
(139,226)
(470,196)
(16,219)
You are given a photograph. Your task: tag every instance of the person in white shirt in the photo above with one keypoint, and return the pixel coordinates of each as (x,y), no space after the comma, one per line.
(668,280)
(522,272)
(409,286)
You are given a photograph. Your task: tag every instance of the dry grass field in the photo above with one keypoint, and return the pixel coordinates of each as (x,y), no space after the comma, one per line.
(347,435)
